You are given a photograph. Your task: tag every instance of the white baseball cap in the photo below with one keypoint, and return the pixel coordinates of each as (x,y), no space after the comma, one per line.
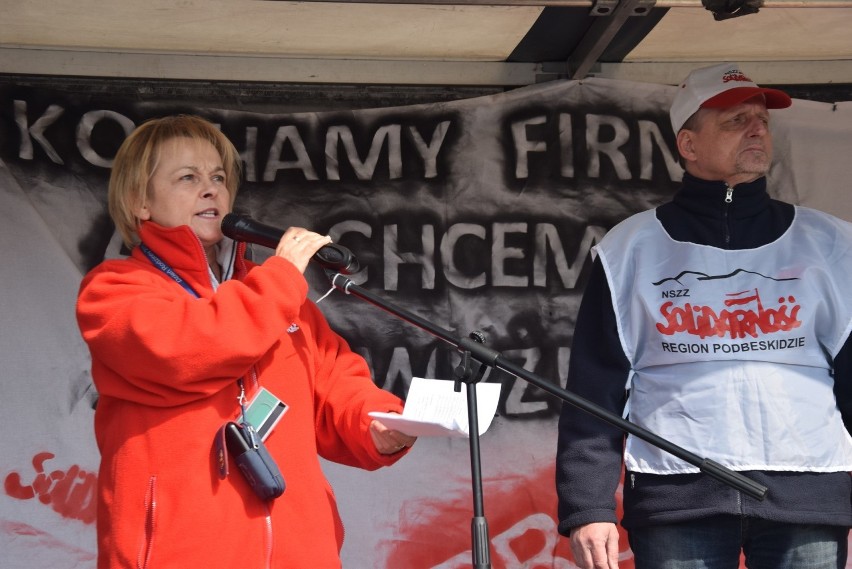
(719,87)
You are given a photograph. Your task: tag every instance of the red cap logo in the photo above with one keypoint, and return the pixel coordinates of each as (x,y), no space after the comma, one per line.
(735,75)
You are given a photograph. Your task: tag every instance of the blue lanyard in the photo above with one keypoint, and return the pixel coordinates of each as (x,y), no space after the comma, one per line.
(160,264)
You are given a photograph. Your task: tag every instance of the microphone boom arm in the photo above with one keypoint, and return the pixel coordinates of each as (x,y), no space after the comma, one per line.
(488,356)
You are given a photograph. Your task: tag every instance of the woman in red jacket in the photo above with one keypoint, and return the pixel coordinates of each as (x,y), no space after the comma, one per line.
(180,333)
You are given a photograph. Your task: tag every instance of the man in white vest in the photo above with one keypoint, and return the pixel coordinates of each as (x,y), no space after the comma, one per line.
(719,321)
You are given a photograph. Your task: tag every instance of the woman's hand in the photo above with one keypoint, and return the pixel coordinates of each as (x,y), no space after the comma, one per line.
(298,245)
(389,441)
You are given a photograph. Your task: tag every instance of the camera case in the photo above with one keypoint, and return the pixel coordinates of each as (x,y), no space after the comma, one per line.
(245,448)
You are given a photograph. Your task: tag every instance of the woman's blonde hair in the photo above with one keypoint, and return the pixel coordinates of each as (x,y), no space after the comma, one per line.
(137,159)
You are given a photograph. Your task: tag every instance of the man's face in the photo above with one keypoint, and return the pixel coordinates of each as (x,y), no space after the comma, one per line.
(733,144)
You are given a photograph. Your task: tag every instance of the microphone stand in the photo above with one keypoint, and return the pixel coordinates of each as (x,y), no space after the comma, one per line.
(478,525)
(473,348)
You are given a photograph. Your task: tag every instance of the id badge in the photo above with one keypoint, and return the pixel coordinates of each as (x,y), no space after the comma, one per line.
(264,411)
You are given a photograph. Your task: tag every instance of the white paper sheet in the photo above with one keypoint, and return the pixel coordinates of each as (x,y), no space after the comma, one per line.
(433,409)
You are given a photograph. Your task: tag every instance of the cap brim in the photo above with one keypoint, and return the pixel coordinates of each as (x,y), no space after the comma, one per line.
(774,98)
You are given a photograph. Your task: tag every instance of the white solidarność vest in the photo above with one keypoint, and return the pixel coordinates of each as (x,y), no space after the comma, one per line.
(731,350)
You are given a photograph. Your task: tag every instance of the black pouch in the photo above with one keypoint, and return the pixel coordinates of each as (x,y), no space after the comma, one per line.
(243,444)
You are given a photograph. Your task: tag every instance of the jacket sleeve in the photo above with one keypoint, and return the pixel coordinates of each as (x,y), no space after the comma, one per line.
(152,343)
(344,395)
(589,450)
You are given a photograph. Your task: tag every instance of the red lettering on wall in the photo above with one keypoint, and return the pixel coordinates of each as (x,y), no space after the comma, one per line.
(70,493)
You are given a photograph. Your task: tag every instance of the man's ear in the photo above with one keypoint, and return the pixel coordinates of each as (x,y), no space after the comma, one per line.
(686,144)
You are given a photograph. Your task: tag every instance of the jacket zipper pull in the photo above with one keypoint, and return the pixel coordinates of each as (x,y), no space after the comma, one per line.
(632,480)
(729,198)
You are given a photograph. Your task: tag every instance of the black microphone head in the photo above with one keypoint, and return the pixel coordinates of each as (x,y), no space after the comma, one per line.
(246,229)
(228,221)
(229,224)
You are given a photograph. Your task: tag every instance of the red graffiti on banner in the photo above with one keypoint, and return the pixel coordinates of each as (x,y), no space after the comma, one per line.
(521,516)
(71,493)
(522,530)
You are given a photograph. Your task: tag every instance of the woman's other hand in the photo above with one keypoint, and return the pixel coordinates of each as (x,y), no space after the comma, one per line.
(389,441)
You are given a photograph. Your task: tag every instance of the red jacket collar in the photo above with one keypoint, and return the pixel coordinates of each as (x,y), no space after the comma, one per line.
(180,249)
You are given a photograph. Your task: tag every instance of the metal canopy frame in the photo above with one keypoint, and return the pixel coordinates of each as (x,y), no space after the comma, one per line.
(608,18)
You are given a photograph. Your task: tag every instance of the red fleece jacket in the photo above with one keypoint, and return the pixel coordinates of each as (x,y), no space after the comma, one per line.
(166,364)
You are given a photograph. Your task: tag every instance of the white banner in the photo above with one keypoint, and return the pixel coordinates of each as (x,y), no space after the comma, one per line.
(476,215)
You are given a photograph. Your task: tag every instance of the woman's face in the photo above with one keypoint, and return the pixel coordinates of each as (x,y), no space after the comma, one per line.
(188,187)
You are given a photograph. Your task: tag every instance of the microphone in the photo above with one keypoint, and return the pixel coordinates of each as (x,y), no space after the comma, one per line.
(331,256)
